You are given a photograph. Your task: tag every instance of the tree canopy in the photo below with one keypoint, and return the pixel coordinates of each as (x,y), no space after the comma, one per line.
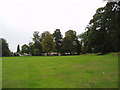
(58,40)
(47,42)
(102,34)
(71,43)
(5,48)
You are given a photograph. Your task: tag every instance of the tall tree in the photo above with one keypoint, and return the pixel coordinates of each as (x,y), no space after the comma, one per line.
(37,45)
(25,49)
(70,42)
(47,42)
(58,40)
(5,49)
(102,33)
(18,48)
(86,45)
(31,48)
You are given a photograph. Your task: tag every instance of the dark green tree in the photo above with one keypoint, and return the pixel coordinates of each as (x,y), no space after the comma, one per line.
(4,47)
(78,47)
(58,40)
(71,43)
(25,49)
(37,45)
(102,33)
(86,41)
(18,48)
(31,48)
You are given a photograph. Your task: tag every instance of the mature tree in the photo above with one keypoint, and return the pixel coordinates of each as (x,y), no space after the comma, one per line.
(112,15)
(18,48)
(99,34)
(37,45)
(70,42)
(47,42)
(36,36)
(116,27)
(58,40)
(78,47)
(102,33)
(31,48)
(25,49)
(4,47)
(86,45)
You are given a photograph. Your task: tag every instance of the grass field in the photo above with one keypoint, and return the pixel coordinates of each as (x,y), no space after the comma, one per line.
(84,71)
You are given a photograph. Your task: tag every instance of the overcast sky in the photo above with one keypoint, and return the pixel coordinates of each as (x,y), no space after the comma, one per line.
(20,18)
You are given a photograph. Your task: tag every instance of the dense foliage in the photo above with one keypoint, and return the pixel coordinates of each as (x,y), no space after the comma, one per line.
(48,43)
(58,40)
(18,48)
(4,47)
(103,32)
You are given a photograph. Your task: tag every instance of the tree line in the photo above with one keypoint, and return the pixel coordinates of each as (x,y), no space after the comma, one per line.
(47,43)
(102,35)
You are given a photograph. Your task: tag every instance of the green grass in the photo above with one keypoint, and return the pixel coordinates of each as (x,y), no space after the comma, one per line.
(84,71)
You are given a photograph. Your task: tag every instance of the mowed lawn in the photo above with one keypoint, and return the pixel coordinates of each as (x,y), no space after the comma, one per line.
(83,71)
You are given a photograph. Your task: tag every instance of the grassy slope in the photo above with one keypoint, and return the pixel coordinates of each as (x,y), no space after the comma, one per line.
(89,71)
